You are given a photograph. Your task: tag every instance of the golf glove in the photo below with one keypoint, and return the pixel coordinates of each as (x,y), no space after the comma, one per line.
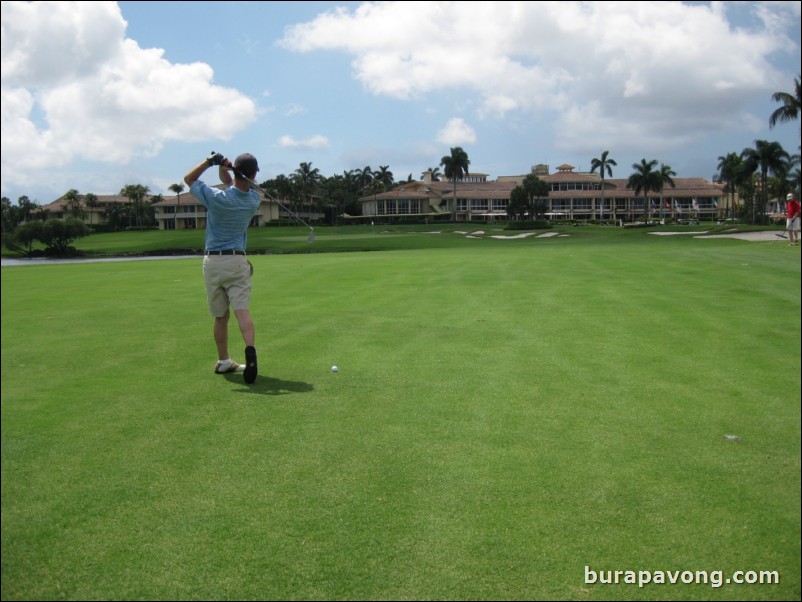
(217,159)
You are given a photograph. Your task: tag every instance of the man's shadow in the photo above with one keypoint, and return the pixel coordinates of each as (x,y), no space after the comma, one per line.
(267,385)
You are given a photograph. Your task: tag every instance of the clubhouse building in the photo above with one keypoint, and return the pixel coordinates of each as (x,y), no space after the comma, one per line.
(573,196)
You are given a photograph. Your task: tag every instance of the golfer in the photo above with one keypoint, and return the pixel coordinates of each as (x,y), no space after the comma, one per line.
(226,270)
(792,219)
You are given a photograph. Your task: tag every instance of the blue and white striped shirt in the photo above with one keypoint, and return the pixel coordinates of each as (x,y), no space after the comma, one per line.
(228,214)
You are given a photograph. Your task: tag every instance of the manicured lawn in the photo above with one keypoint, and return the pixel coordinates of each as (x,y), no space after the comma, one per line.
(506,414)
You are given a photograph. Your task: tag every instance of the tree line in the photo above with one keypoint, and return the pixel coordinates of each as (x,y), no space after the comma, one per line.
(755,175)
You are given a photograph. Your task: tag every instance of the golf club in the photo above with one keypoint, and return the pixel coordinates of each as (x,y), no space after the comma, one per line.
(311,238)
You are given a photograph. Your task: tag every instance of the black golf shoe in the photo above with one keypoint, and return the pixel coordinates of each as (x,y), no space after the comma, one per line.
(250,365)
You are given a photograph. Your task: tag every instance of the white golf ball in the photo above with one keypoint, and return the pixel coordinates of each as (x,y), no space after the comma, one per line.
(335,369)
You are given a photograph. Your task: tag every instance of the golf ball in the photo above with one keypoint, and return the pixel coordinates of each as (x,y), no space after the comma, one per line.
(335,369)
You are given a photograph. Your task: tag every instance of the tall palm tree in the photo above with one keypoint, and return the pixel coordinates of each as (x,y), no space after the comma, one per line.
(790,109)
(363,177)
(603,164)
(644,179)
(767,157)
(729,168)
(307,178)
(136,193)
(384,176)
(455,167)
(74,205)
(664,175)
(92,202)
(177,189)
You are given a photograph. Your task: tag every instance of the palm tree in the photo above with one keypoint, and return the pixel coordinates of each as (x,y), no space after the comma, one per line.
(455,167)
(729,168)
(307,180)
(382,180)
(177,189)
(73,206)
(536,190)
(435,173)
(518,204)
(384,176)
(794,176)
(363,177)
(767,157)
(136,193)
(25,208)
(665,177)
(603,164)
(91,201)
(790,109)
(644,179)
(118,216)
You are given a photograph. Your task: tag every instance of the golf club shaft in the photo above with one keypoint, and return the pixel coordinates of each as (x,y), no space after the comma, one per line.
(255,186)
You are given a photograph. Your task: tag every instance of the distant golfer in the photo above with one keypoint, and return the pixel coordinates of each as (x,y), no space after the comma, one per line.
(792,218)
(226,270)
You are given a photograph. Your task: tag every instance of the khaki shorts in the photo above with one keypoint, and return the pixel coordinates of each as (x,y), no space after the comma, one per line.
(228,283)
(792,224)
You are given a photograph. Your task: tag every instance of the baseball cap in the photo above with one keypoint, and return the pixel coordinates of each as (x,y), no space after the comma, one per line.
(789,197)
(247,164)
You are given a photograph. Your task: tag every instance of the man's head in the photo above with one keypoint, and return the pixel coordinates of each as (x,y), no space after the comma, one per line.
(789,196)
(247,165)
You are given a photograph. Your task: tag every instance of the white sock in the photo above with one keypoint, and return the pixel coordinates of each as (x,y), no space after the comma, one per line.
(224,362)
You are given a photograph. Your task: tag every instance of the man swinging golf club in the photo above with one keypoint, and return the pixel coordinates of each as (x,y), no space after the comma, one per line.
(226,270)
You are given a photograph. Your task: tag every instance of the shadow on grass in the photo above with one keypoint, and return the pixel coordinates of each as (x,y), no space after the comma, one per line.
(266,385)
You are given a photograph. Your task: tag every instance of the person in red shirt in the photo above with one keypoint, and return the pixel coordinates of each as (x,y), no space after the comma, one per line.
(792,219)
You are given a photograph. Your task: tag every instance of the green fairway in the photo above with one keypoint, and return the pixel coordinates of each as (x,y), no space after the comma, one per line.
(506,413)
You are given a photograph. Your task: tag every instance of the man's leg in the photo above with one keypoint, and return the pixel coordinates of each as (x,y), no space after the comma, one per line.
(247,329)
(224,363)
(221,335)
(246,326)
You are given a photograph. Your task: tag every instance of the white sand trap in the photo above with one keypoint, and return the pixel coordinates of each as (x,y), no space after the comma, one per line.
(527,234)
(521,235)
(763,236)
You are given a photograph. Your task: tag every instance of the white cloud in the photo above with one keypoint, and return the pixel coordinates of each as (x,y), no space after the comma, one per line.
(294,109)
(74,87)
(609,71)
(313,142)
(456,132)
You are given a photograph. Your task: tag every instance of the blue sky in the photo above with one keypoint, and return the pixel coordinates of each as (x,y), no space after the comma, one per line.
(98,95)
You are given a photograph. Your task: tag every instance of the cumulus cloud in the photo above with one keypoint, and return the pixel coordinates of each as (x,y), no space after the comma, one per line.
(456,132)
(602,72)
(313,142)
(74,86)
